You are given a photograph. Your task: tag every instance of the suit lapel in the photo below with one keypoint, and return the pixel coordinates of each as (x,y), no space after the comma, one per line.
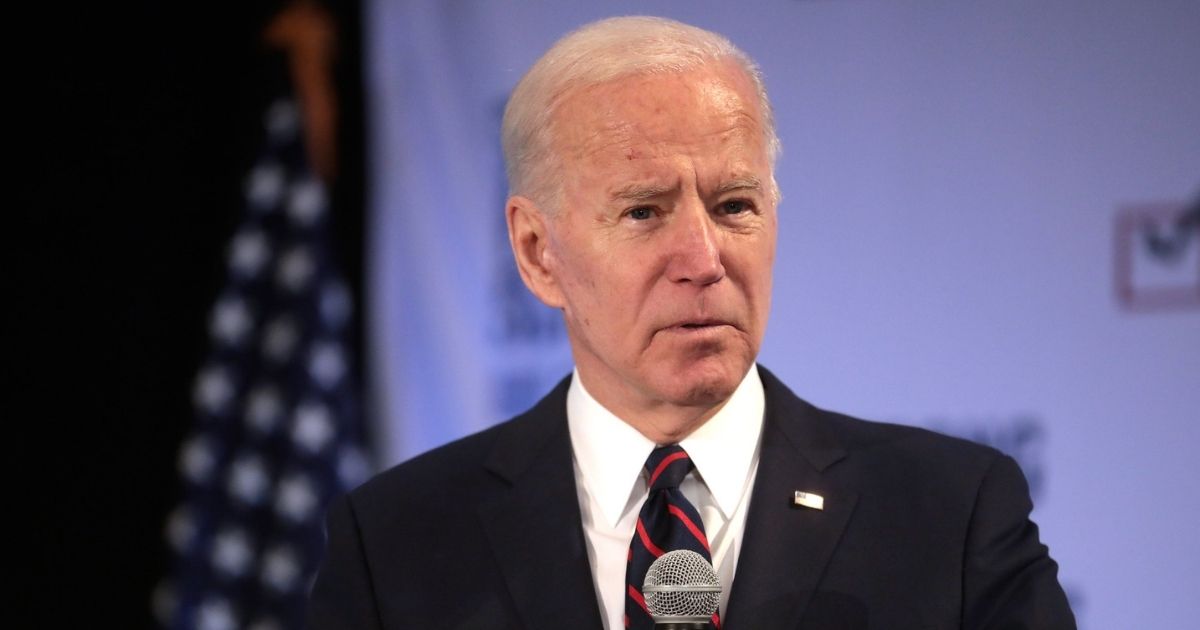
(535,528)
(537,535)
(786,547)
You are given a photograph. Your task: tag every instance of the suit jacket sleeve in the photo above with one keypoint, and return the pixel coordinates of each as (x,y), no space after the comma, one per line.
(1009,579)
(342,596)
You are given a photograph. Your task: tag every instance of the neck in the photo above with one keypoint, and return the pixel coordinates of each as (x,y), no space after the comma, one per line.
(671,426)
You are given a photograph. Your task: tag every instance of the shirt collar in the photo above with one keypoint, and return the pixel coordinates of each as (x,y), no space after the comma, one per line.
(610,453)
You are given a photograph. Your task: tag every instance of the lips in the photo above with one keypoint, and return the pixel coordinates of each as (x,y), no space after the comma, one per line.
(702,324)
(699,324)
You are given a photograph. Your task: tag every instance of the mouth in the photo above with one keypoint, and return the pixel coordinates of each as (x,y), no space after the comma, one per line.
(700,324)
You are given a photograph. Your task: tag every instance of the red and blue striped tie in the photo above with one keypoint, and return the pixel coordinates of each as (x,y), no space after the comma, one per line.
(667,522)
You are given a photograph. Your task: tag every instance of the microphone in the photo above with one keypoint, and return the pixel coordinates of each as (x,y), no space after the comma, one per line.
(682,591)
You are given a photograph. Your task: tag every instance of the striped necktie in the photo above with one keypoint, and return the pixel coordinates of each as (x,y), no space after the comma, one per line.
(668,521)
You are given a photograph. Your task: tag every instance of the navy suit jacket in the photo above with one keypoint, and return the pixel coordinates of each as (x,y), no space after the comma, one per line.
(918,530)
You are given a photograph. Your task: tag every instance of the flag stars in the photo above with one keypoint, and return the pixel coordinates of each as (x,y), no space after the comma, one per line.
(265,185)
(213,390)
(335,305)
(263,409)
(231,321)
(164,602)
(296,268)
(249,252)
(198,459)
(280,339)
(352,466)
(312,427)
(296,498)
(280,569)
(181,529)
(215,614)
(306,201)
(281,119)
(275,407)
(326,363)
(248,480)
(231,552)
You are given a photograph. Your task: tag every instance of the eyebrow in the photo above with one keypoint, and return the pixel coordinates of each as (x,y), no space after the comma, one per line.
(641,192)
(748,182)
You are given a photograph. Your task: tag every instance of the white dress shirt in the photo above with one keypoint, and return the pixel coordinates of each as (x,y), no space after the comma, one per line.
(609,455)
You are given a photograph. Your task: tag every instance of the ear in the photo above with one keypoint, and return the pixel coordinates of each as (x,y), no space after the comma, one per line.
(528,234)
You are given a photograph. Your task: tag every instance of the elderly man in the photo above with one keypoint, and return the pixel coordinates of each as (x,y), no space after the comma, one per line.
(640,155)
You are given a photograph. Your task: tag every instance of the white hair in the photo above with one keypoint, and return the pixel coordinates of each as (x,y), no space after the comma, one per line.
(596,53)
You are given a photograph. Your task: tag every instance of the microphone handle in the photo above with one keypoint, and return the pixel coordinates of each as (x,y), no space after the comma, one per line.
(681,625)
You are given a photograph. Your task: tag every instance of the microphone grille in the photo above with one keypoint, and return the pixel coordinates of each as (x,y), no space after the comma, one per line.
(680,585)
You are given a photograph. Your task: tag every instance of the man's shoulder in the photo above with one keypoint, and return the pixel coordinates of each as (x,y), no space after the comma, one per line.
(444,463)
(872,440)
(470,467)
(906,443)
(870,434)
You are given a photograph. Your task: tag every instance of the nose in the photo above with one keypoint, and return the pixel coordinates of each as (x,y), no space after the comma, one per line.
(695,248)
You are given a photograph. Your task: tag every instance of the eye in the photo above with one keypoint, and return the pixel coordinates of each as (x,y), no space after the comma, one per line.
(641,213)
(733,206)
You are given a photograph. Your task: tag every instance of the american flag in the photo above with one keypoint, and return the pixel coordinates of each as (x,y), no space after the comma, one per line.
(277,428)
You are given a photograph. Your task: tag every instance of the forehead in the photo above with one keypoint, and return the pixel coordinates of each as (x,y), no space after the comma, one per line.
(711,111)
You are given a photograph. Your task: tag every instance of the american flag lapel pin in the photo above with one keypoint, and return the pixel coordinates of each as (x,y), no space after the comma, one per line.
(809,500)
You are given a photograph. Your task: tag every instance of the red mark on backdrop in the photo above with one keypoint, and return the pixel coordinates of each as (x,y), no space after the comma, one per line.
(1156,264)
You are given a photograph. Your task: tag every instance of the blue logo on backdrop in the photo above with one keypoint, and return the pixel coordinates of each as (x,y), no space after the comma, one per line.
(1023,436)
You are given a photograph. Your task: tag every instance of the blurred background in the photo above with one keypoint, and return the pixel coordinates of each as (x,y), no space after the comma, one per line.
(263,255)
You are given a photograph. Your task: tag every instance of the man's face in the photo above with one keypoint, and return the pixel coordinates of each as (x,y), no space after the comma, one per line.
(661,247)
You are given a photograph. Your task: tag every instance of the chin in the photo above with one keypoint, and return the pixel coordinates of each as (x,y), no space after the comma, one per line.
(702,385)
(706,395)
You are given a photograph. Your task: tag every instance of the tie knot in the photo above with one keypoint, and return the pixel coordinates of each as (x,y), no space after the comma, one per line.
(667,466)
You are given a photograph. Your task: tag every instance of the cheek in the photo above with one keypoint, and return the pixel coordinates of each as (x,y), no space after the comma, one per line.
(765,281)
(588,268)
(577,276)
(768,268)
(753,266)
(581,279)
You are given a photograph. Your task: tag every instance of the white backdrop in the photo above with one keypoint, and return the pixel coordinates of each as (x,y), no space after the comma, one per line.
(953,174)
